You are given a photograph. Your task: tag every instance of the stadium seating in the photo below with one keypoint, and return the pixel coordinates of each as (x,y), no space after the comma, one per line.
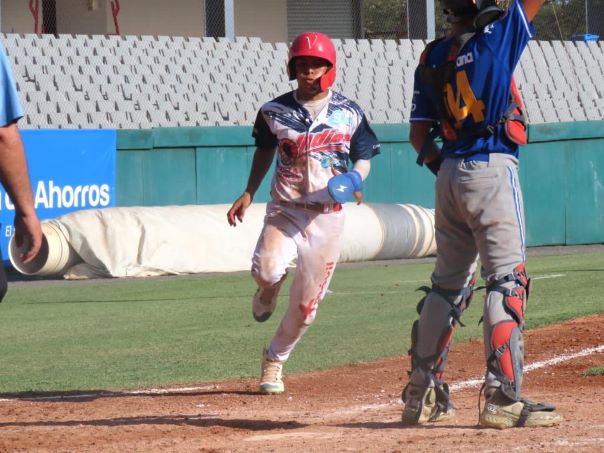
(132,82)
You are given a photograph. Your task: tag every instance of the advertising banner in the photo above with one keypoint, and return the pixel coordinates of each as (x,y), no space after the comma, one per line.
(70,170)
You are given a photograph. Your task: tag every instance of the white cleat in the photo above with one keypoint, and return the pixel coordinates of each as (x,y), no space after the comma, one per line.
(271,380)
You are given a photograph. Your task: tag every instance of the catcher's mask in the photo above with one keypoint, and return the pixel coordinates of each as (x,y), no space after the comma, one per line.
(313,44)
(483,11)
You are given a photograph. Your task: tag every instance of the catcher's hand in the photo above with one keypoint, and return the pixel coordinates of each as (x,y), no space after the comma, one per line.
(340,187)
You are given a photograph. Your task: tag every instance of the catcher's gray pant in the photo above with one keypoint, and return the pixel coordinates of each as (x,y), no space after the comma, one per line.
(314,239)
(479,214)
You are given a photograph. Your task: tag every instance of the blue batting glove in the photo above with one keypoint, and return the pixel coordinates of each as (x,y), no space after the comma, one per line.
(341,187)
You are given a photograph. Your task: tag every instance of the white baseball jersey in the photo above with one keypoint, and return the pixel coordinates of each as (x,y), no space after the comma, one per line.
(311,151)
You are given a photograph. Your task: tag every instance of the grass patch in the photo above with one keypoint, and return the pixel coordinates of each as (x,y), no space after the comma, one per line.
(115,334)
(596,371)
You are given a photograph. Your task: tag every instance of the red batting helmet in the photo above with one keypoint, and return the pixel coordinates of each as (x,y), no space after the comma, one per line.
(313,44)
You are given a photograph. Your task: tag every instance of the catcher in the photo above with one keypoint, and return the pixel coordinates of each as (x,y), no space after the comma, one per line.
(314,132)
(464,93)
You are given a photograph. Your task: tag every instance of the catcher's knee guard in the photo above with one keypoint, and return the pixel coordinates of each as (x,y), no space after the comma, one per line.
(504,323)
(440,312)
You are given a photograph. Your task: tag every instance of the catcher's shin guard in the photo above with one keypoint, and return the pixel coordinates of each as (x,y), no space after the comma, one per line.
(503,326)
(426,396)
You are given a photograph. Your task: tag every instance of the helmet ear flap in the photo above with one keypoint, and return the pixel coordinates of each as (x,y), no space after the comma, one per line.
(291,69)
(328,78)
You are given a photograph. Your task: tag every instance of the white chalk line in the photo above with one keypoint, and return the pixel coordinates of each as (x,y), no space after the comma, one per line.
(534,366)
(474,382)
(542,277)
(538,277)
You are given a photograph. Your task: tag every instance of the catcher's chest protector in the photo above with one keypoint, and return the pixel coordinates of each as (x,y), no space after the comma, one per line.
(513,118)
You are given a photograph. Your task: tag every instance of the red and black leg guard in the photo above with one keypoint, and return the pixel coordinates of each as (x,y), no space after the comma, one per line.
(449,306)
(506,360)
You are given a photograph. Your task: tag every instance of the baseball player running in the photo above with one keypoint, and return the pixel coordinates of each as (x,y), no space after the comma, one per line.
(464,91)
(314,131)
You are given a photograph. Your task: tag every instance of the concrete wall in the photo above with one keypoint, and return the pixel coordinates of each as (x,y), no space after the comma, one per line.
(82,17)
(161,17)
(16,17)
(561,172)
(266,19)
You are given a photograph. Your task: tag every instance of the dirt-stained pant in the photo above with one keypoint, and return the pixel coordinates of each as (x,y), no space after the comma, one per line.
(312,240)
(478,214)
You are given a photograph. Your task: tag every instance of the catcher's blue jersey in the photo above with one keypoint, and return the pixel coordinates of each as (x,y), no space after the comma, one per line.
(478,91)
(10,108)
(311,151)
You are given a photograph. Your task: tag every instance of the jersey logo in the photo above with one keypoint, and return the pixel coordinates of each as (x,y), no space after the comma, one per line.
(465,59)
(338,118)
(342,188)
(326,140)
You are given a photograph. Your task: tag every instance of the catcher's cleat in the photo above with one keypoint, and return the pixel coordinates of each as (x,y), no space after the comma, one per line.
(265,301)
(271,380)
(427,404)
(420,404)
(500,412)
(441,415)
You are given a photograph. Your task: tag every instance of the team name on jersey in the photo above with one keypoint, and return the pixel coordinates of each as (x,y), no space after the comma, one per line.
(465,59)
(319,140)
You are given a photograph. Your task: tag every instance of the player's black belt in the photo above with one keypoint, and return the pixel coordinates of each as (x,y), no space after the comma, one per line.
(323,208)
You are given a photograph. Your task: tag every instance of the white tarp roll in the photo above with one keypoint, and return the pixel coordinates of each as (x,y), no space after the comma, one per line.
(149,241)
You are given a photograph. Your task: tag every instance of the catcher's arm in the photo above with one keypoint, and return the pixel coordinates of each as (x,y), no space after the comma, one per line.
(418,134)
(263,158)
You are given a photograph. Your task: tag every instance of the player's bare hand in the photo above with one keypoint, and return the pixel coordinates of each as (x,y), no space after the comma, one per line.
(237,211)
(28,231)
(358,196)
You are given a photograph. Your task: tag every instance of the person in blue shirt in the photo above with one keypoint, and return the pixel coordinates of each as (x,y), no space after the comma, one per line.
(14,174)
(464,93)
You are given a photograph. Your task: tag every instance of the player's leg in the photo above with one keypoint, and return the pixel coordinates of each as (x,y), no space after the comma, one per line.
(318,252)
(275,251)
(498,224)
(317,245)
(426,396)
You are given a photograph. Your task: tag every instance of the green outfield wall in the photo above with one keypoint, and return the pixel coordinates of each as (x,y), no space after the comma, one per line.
(561,171)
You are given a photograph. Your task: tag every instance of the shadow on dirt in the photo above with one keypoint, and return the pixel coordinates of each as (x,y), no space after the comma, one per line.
(200,421)
(91,395)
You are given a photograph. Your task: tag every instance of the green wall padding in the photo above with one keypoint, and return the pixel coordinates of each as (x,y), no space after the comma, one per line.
(561,173)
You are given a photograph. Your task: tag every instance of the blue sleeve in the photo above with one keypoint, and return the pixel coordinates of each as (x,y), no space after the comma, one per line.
(509,36)
(265,138)
(422,109)
(10,107)
(363,143)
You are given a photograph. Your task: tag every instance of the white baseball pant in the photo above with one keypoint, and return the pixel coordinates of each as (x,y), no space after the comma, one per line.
(313,240)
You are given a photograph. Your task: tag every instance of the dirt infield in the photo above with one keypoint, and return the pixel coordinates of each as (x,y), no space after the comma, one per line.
(355,408)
